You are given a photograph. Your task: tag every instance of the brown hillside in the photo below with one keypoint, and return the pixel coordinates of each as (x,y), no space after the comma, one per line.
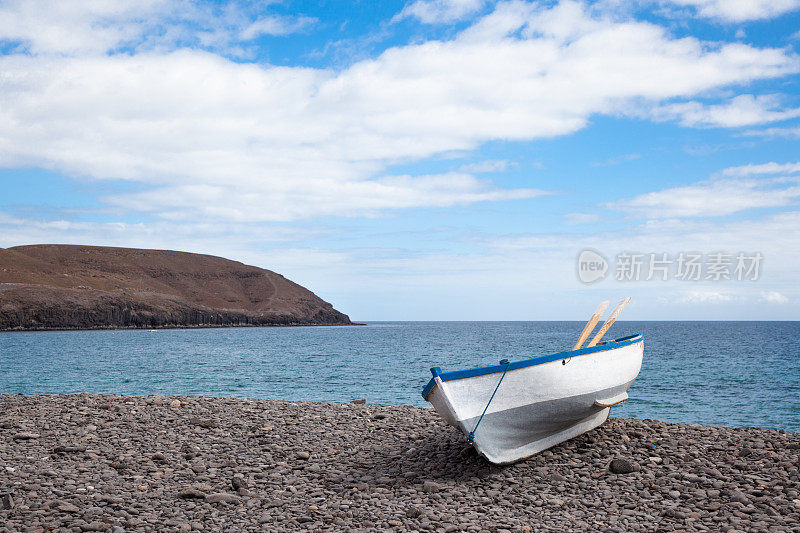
(52,286)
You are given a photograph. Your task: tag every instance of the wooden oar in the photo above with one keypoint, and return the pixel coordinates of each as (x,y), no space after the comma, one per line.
(609,321)
(591,324)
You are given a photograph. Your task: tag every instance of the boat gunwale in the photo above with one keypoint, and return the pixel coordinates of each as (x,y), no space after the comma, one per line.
(539,360)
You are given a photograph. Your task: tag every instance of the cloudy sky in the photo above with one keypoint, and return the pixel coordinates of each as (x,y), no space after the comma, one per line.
(420,160)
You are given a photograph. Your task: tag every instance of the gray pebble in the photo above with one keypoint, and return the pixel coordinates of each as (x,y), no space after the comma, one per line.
(218,497)
(623,466)
(26,435)
(739,497)
(6,502)
(430,487)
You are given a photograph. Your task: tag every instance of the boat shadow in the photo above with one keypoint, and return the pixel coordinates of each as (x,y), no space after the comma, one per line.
(442,454)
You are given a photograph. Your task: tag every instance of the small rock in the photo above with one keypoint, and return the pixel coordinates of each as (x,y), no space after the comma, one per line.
(430,487)
(6,502)
(69,449)
(175,403)
(740,497)
(238,483)
(379,416)
(67,507)
(94,526)
(745,451)
(656,460)
(203,422)
(360,401)
(305,456)
(26,435)
(674,513)
(413,512)
(159,458)
(191,494)
(674,494)
(623,466)
(218,497)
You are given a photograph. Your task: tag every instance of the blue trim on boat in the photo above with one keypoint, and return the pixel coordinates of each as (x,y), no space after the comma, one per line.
(472,372)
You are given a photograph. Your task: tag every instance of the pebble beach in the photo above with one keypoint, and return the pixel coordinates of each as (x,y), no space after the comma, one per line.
(146,463)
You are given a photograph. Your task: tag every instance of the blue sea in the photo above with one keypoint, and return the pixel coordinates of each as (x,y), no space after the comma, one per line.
(717,373)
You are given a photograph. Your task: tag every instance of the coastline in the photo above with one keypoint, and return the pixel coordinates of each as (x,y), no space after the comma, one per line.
(184,326)
(151,463)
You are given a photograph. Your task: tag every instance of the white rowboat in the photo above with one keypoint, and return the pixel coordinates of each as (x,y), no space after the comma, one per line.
(514,410)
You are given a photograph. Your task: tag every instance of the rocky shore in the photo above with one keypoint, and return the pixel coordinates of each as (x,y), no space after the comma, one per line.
(115,463)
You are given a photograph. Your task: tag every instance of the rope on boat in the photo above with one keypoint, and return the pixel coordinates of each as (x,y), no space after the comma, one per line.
(471,437)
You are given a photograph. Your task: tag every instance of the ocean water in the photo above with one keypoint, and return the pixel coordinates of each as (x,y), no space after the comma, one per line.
(718,373)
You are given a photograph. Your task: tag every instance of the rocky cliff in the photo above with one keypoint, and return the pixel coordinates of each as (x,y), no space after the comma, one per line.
(63,286)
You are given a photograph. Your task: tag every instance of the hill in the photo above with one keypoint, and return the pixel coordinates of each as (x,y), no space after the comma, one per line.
(51,286)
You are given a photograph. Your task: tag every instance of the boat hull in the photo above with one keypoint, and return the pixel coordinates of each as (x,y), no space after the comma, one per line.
(540,402)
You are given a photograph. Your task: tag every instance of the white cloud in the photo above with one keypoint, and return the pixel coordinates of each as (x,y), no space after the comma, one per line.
(322,198)
(192,235)
(239,141)
(440,11)
(742,110)
(616,160)
(732,190)
(76,26)
(739,10)
(489,165)
(712,198)
(774,297)
(575,219)
(787,132)
(761,169)
(705,296)
(276,25)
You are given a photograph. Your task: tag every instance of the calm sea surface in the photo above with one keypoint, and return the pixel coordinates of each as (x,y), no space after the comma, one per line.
(719,373)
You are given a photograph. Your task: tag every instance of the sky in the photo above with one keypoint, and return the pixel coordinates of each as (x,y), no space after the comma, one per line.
(426,159)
